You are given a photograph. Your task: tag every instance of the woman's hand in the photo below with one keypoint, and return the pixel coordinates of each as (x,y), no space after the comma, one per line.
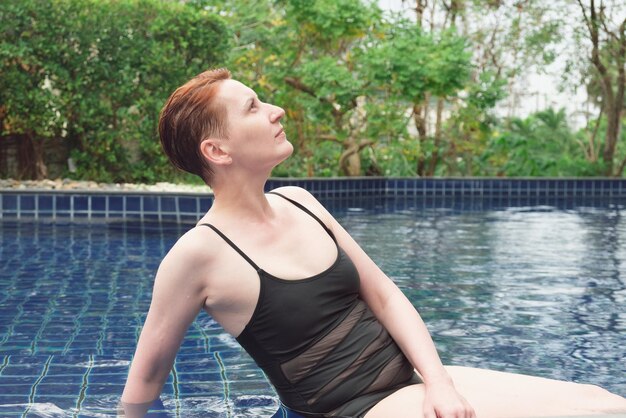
(443,401)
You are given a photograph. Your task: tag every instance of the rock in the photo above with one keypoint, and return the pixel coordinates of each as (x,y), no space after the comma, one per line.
(69,184)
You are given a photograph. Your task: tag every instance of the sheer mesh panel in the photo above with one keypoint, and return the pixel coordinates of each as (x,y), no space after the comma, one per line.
(392,373)
(381,341)
(299,367)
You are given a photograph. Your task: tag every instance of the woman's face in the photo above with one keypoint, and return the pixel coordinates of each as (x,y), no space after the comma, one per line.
(255,134)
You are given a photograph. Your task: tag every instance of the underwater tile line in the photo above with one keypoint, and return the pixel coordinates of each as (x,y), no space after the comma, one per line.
(33,391)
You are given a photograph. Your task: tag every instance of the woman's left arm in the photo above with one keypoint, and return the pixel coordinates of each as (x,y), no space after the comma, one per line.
(399,317)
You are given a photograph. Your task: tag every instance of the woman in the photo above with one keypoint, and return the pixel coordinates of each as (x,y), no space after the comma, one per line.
(332,332)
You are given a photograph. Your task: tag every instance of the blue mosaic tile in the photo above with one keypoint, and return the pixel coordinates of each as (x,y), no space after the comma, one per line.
(568,185)
(537,188)
(172,208)
(44,203)
(614,188)
(583,184)
(98,203)
(607,187)
(9,202)
(168,204)
(133,204)
(27,202)
(205,204)
(16,390)
(599,187)
(150,204)
(453,187)
(63,203)
(116,203)
(449,188)
(440,187)
(188,204)
(559,188)
(58,387)
(495,189)
(429,185)
(476,187)
(81,203)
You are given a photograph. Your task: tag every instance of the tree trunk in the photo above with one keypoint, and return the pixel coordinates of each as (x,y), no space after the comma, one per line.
(612,89)
(434,158)
(420,7)
(30,162)
(420,125)
(350,161)
(612,134)
(40,168)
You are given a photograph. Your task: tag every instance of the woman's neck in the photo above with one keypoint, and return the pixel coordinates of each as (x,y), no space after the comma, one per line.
(241,199)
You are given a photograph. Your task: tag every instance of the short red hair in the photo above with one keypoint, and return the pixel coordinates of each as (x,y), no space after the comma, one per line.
(190,115)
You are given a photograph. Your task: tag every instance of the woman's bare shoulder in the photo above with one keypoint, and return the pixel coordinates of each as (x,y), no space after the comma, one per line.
(298,194)
(193,251)
(305,198)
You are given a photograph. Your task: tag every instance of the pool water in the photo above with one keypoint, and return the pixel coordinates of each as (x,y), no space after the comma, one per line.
(536,289)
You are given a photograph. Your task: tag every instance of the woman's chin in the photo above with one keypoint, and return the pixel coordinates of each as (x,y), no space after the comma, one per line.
(284,156)
(288,150)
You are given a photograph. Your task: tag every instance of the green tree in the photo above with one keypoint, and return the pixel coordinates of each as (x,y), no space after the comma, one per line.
(470,126)
(94,74)
(414,66)
(506,39)
(606,70)
(347,75)
(542,144)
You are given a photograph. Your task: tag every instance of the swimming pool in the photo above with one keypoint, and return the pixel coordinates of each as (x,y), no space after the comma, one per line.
(536,287)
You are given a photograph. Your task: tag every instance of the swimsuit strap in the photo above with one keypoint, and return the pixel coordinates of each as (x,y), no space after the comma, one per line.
(232,244)
(248,259)
(309,212)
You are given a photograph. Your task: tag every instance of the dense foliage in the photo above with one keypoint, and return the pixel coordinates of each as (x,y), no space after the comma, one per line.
(367,92)
(94,74)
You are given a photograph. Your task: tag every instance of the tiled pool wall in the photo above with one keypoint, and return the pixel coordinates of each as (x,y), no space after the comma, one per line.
(180,206)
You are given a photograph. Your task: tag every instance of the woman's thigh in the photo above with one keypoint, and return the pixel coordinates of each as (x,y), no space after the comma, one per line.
(498,394)
(404,403)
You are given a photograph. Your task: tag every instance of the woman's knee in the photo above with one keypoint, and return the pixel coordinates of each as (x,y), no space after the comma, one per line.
(601,399)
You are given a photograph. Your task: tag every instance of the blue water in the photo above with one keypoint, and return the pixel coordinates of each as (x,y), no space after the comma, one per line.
(535,288)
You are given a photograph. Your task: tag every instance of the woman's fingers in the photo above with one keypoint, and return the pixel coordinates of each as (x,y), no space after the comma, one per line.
(429,412)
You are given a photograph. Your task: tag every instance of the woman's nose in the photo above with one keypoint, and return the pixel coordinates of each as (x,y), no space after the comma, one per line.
(277,114)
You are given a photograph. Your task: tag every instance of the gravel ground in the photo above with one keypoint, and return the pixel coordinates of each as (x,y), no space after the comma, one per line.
(67,184)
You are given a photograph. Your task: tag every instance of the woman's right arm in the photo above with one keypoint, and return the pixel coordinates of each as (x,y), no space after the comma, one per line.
(177,298)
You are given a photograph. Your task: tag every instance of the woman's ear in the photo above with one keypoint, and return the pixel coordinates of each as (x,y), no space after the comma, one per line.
(215,152)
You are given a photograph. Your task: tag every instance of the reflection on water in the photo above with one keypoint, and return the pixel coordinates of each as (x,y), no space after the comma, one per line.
(531,290)
(534,289)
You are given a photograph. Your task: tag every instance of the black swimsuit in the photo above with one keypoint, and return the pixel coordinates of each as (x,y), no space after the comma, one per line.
(319,343)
